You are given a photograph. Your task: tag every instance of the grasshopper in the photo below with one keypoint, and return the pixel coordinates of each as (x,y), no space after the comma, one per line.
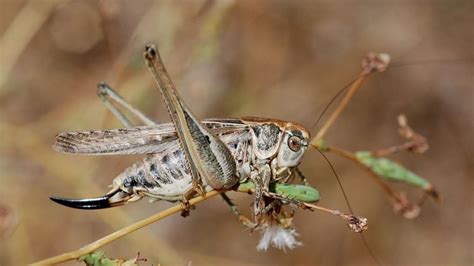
(188,156)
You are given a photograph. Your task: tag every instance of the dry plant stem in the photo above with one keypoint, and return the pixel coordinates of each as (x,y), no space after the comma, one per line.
(125,231)
(20,32)
(349,155)
(352,90)
(157,217)
(319,208)
(357,224)
(372,63)
(393,149)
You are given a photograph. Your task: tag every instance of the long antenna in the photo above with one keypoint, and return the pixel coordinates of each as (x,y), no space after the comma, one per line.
(394,66)
(330,103)
(373,62)
(366,244)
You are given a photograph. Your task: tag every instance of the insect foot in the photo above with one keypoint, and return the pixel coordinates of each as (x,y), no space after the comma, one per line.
(198,187)
(186,207)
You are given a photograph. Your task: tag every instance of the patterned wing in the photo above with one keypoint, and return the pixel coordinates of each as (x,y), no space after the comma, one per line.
(136,140)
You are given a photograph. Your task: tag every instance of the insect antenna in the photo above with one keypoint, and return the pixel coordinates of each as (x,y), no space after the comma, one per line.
(392,67)
(352,83)
(349,206)
(330,103)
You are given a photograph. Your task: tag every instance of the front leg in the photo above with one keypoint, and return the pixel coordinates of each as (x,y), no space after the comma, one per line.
(261,178)
(302,176)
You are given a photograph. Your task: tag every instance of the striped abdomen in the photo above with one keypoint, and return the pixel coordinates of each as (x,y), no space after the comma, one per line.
(165,175)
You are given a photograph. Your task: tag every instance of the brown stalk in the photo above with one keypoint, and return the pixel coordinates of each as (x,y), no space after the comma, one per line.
(394,149)
(349,155)
(373,62)
(122,232)
(415,142)
(355,223)
(330,121)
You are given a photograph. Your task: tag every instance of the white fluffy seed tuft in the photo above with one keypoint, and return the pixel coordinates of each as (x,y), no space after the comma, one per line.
(278,237)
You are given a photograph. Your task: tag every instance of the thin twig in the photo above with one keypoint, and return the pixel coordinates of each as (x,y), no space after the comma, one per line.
(373,62)
(355,223)
(122,232)
(415,142)
(20,32)
(352,90)
(394,149)
(331,102)
(33,149)
(349,155)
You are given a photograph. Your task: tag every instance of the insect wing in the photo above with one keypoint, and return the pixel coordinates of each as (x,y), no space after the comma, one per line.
(136,140)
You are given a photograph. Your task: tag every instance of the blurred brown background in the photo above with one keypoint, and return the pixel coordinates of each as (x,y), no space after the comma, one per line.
(281,59)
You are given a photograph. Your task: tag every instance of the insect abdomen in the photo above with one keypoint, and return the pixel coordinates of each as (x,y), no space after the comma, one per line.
(165,175)
(161,175)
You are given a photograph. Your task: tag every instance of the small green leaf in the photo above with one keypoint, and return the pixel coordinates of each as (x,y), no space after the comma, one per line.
(98,258)
(391,170)
(301,193)
(247,186)
(322,145)
(291,191)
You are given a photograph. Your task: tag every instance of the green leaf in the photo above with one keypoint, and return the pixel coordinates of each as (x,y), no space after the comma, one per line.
(291,191)
(98,258)
(247,186)
(322,145)
(301,193)
(391,170)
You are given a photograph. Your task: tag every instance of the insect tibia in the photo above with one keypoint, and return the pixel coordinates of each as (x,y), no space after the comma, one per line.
(206,155)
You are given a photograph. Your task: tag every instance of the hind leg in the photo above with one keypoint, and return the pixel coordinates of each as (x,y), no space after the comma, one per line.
(109,97)
(242,218)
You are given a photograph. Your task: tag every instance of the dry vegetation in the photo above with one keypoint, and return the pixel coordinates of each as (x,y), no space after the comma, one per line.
(282,59)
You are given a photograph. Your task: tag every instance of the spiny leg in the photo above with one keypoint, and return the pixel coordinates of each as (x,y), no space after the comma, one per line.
(301,175)
(105,92)
(107,95)
(261,179)
(242,218)
(207,156)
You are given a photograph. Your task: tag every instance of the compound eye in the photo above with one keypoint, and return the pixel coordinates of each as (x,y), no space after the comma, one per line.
(294,143)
